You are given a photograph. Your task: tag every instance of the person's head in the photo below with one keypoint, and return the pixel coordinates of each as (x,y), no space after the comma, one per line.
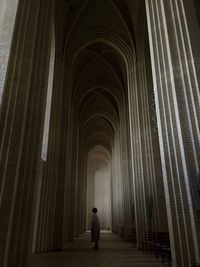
(94,210)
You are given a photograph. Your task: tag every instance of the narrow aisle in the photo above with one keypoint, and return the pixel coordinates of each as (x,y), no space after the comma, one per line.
(113,252)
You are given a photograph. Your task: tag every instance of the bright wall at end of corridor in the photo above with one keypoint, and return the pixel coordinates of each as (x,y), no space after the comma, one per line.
(102,197)
(99,195)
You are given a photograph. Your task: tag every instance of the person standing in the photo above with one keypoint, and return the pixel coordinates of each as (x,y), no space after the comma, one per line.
(95,228)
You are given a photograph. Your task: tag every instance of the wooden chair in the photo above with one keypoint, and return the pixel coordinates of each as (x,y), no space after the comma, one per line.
(147,247)
(131,236)
(165,250)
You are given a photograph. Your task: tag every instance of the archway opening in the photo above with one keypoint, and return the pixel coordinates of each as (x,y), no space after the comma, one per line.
(100,98)
(99,186)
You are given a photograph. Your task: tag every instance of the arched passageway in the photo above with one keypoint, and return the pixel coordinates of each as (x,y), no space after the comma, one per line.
(98,188)
(118,81)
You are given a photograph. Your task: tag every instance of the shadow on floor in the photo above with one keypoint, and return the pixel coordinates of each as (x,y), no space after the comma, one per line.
(113,252)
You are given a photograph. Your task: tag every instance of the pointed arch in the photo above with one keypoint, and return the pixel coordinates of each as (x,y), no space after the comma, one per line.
(100,35)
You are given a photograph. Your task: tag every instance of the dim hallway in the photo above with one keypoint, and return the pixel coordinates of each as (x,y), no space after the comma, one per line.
(113,252)
(99,107)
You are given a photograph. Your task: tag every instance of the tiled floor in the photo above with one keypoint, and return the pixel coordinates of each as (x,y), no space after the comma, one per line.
(113,252)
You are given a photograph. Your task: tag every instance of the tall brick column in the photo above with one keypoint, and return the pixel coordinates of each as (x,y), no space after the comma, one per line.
(177,106)
(21,127)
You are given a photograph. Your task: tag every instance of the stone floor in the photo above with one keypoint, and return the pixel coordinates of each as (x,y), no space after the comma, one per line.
(113,252)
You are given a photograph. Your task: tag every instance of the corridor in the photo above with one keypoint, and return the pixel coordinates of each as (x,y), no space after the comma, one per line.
(99,108)
(113,252)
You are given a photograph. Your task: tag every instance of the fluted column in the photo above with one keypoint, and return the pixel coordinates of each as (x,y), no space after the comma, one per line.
(69,163)
(114,207)
(49,225)
(21,127)
(153,182)
(56,165)
(136,152)
(177,106)
(119,184)
(126,175)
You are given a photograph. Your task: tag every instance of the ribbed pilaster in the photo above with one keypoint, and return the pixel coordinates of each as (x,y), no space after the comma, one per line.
(21,127)
(177,98)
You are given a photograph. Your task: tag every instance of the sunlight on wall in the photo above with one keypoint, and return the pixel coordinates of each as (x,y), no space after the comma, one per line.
(49,100)
(8,10)
(102,196)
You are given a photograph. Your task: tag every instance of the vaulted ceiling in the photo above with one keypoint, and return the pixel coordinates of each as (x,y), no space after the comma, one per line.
(120,16)
(98,71)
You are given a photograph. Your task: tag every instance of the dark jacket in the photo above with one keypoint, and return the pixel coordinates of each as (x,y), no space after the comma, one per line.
(95,228)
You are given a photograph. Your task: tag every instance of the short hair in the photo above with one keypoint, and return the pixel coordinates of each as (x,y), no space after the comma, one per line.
(94,210)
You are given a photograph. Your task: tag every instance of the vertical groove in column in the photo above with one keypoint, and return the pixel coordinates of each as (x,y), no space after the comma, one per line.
(165,49)
(22,126)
